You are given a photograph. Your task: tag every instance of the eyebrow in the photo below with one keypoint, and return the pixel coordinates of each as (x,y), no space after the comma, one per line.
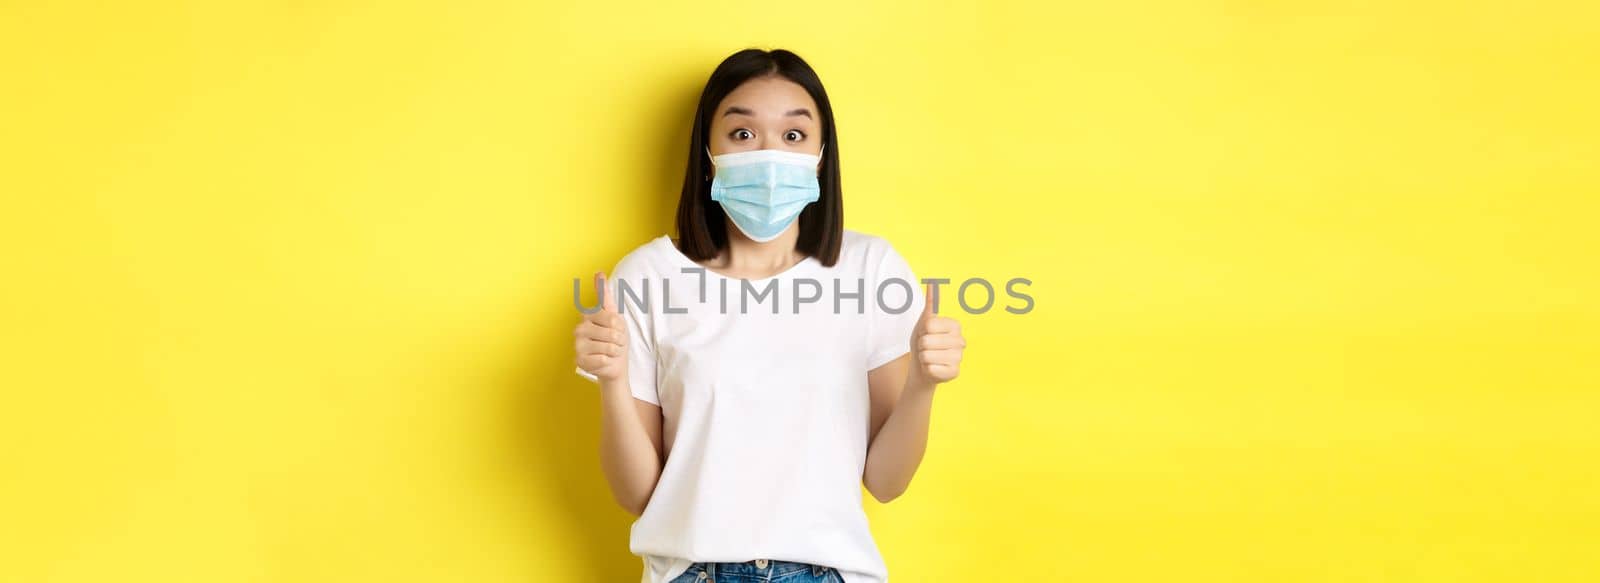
(742,111)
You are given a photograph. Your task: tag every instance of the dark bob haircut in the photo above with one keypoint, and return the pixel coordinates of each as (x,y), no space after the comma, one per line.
(702,226)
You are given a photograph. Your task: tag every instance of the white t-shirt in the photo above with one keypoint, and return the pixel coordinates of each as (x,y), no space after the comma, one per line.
(765,415)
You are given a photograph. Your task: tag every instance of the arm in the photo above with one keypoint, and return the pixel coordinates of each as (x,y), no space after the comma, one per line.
(630,429)
(901,409)
(630,445)
(902,403)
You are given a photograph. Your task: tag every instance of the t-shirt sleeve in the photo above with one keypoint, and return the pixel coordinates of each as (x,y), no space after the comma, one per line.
(631,273)
(890,330)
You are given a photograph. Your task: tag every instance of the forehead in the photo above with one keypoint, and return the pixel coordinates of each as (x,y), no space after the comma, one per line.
(767,97)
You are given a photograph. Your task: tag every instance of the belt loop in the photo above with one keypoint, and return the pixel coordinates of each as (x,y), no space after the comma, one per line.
(816,570)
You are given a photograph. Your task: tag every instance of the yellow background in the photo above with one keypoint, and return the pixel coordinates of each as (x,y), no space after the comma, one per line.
(287,284)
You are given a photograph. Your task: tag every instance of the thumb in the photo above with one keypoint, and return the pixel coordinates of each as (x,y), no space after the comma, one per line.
(927,301)
(608,298)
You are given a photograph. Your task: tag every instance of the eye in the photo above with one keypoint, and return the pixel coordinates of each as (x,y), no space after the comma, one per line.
(741,134)
(794,135)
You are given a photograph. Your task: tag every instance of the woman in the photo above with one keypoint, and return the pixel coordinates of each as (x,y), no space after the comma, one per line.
(744,406)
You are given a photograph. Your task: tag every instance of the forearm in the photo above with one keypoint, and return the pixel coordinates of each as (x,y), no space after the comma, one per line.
(895,453)
(628,457)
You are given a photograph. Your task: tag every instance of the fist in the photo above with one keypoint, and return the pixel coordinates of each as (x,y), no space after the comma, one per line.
(936,344)
(601,339)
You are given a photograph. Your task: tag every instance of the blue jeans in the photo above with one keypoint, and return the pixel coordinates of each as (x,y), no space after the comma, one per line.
(761,570)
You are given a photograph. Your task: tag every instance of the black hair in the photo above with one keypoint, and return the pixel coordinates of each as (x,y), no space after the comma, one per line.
(702,228)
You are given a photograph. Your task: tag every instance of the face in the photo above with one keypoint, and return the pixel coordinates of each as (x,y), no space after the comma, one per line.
(766,113)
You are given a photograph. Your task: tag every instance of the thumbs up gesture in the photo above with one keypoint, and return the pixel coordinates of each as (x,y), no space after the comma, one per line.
(601,339)
(936,344)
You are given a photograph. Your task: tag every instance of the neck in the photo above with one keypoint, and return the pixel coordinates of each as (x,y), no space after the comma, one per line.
(749,259)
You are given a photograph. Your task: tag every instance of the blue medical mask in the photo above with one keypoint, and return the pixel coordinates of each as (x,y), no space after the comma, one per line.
(763,191)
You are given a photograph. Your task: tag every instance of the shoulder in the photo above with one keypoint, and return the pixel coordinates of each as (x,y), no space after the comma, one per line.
(651,258)
(868,253)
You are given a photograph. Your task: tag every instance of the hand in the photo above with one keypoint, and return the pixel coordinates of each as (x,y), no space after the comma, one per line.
(936,345)
(602,338)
